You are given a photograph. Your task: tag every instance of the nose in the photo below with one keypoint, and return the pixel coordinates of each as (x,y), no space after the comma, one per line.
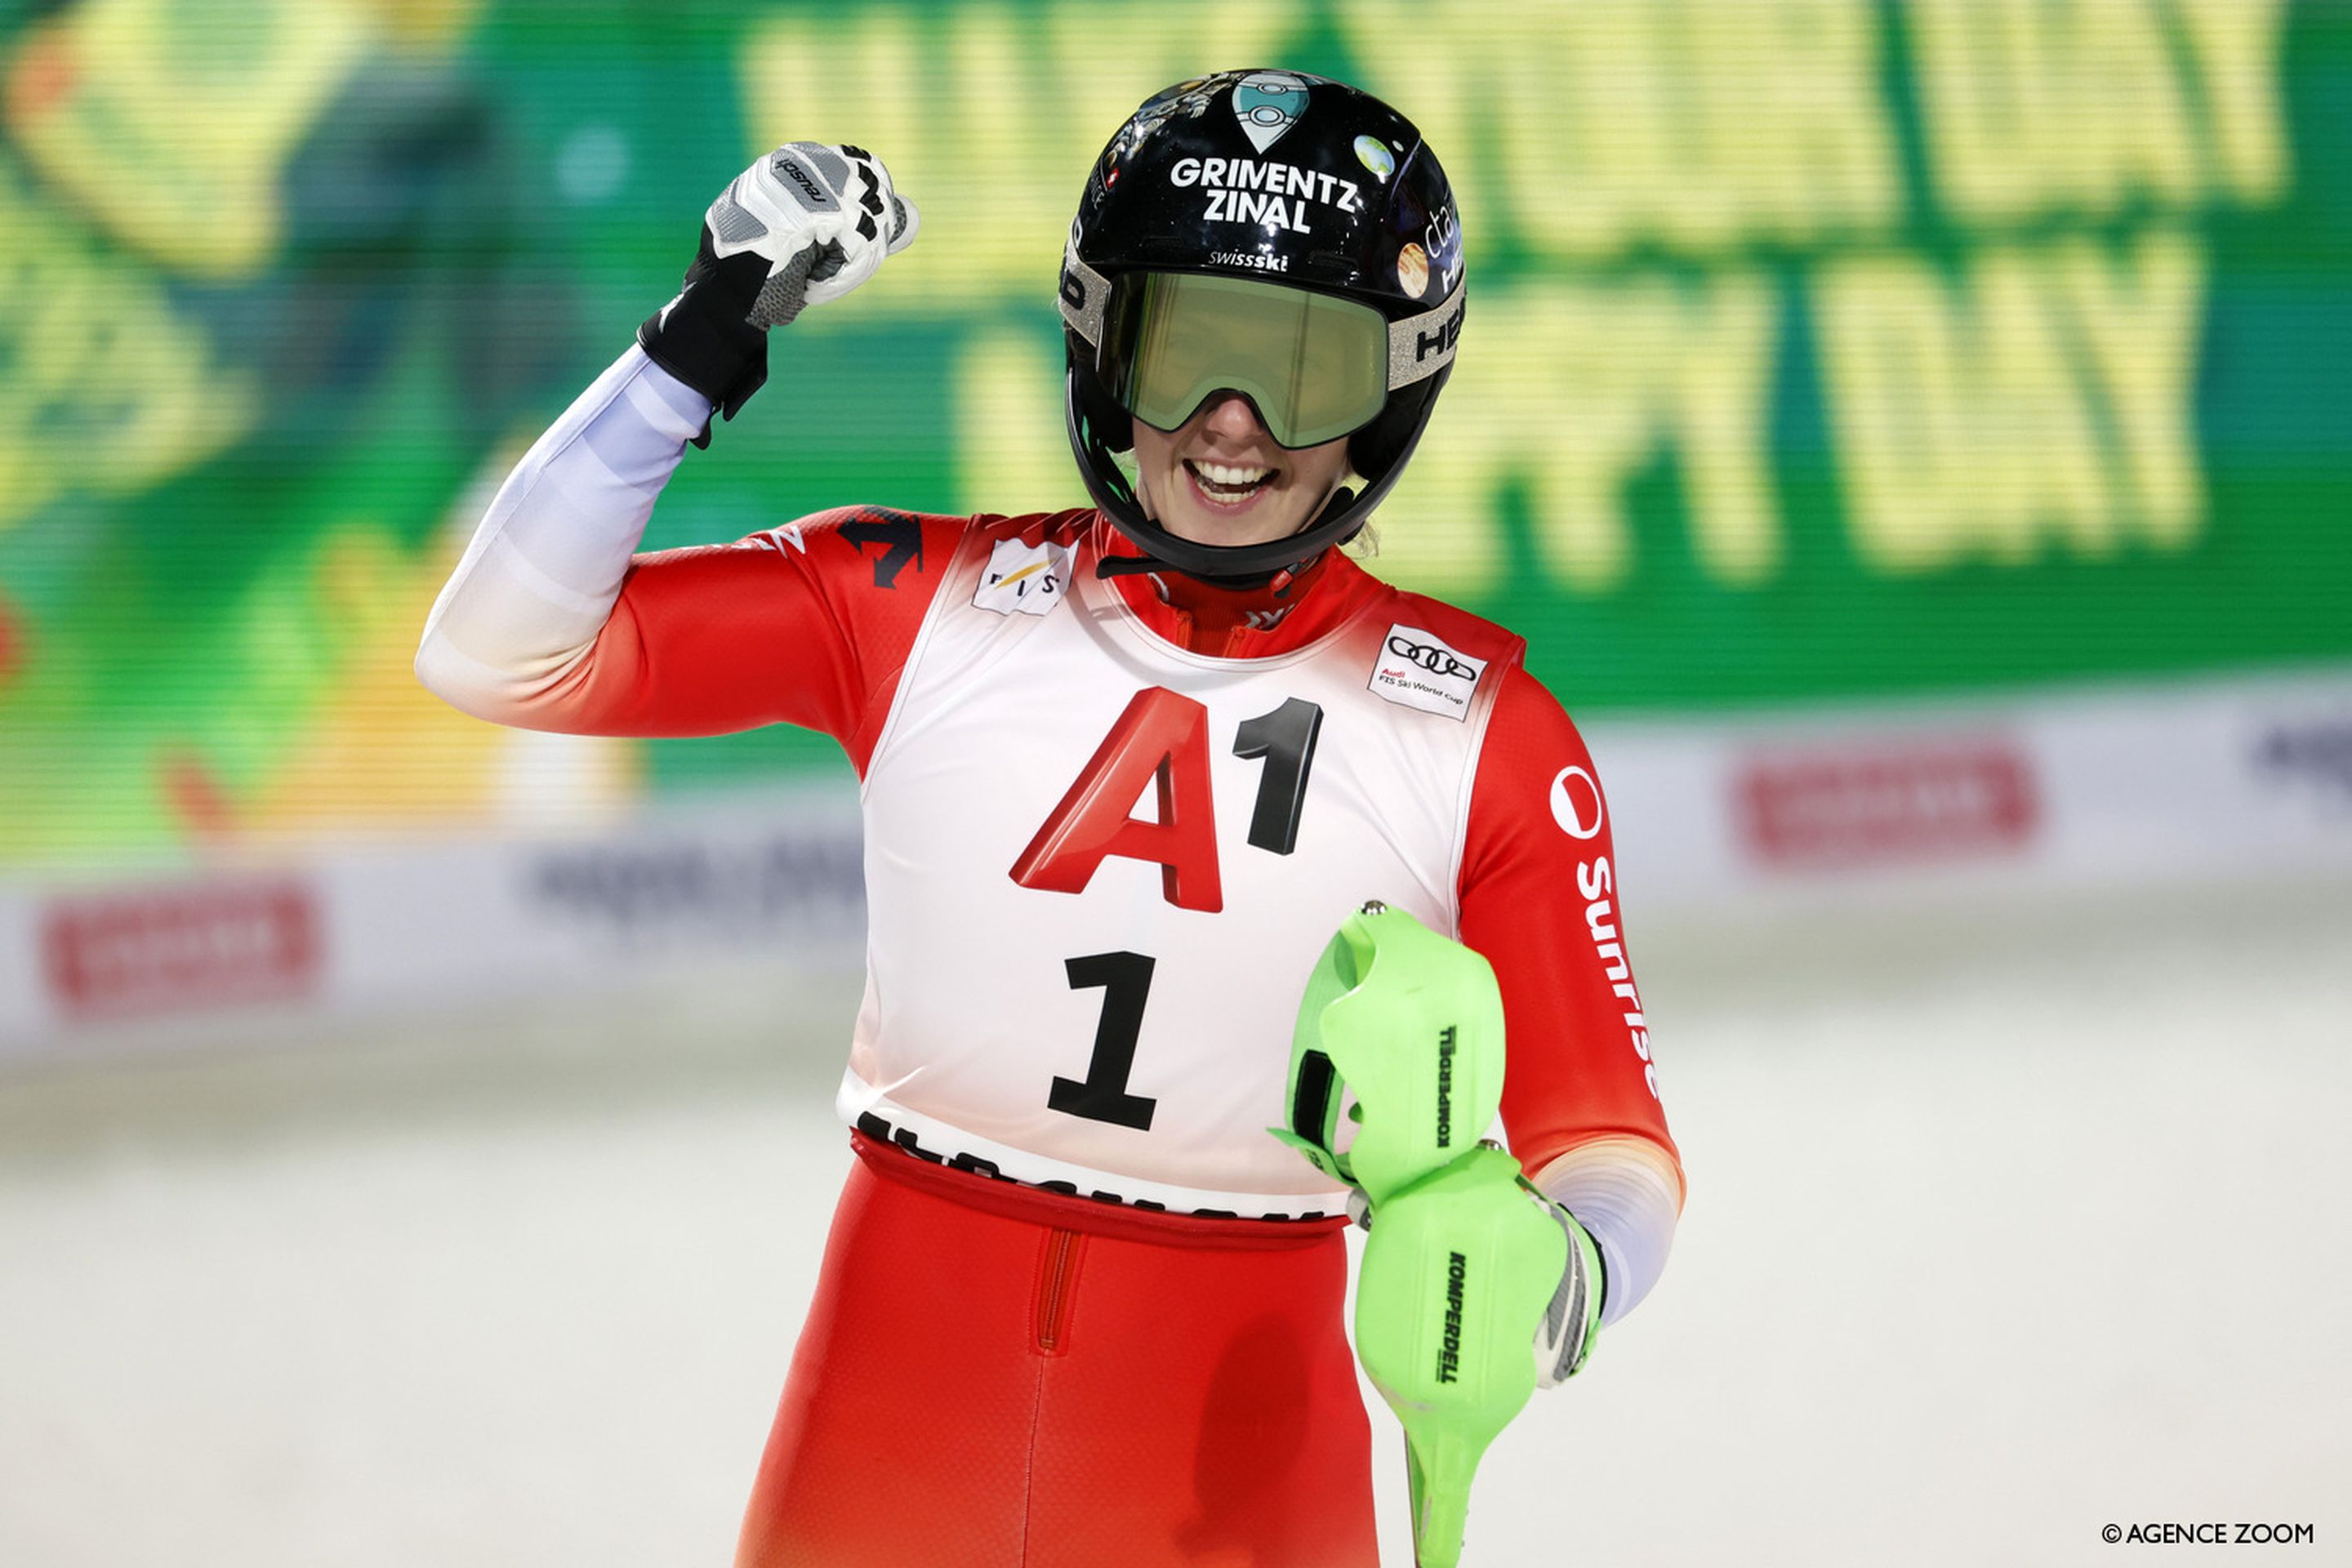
(1231,417)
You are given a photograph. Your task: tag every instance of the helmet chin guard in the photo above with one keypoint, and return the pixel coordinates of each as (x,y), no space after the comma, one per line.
(1278,178)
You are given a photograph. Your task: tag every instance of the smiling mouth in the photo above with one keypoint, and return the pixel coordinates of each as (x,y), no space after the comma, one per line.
(1227,484)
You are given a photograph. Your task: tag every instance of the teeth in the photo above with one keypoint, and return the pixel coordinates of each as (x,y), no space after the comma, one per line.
(1231,478)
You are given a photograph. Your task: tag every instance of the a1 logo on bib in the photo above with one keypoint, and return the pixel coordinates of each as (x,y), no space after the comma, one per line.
(1030,578)
(1420,672)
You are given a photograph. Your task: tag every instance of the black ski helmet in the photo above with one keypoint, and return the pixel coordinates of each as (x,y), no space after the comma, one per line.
(1277,177)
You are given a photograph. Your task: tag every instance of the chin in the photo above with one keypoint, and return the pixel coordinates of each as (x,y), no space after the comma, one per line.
(1207,530)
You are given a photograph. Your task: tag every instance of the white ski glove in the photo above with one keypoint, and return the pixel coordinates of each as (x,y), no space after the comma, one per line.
(801,227)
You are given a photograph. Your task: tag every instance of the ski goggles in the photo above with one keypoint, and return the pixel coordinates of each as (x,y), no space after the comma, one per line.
(1318,366)
(1315,366)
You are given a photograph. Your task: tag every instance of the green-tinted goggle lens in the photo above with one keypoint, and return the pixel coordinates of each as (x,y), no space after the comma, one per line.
(1315,366)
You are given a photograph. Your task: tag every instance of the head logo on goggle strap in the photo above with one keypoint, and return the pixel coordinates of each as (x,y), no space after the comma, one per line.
(1268,104)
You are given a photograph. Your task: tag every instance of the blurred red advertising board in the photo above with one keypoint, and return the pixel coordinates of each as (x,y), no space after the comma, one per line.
(171,948)
(1936,798)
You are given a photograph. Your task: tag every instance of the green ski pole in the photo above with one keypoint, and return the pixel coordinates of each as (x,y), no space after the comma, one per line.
(1462,1256)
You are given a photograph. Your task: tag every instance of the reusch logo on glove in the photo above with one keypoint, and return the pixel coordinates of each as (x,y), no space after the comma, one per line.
(813,195)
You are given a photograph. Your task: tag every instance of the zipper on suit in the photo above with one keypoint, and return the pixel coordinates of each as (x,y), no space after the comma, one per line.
(1057,1288)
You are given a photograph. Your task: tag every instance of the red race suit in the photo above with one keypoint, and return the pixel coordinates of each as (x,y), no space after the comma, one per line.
(1077,1305)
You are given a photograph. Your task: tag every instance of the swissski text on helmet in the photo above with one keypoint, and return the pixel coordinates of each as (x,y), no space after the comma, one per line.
(1275,235)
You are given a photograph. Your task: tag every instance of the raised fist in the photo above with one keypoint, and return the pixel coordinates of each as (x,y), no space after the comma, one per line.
(804,226)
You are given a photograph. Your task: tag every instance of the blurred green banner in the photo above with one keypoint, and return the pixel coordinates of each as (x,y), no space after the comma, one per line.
(1816,349)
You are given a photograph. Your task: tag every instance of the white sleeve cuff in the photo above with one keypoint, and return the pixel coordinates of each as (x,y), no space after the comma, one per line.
(546,564)
(1628,1193)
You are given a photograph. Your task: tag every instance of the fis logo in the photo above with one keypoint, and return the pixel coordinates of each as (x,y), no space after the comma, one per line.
(1025,579)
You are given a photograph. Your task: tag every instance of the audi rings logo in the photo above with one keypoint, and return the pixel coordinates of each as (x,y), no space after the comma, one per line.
(1436,660)
(1415,668)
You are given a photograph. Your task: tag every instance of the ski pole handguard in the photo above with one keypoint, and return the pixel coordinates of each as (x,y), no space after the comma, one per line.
(1463,1258)
(1411,1023)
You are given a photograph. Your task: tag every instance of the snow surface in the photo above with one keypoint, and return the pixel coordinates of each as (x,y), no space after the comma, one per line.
(2003,1226)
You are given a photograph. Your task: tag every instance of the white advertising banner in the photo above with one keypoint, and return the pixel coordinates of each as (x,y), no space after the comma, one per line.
(2107,788)
(367,930)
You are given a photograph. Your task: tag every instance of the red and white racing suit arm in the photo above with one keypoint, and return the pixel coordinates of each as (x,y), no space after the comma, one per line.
(551,621)
(1540,900)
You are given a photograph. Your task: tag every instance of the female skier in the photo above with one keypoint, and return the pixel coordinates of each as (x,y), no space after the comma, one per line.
(1124,770)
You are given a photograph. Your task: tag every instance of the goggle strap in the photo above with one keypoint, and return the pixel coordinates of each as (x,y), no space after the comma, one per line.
(1084,294)
(1420,346)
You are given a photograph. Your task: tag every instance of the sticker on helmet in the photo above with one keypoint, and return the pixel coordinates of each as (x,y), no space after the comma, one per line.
(1189,99)
(1282,195)
(1374,156)
(1257,261)
(1268,104)
(1413,270)
(1444,238)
